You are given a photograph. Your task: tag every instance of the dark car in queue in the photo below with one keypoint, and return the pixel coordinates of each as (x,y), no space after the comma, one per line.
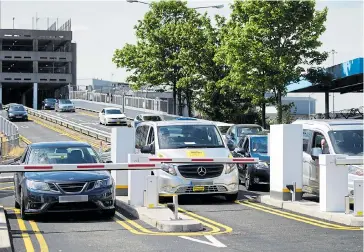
(64,105)
(63,191)
(255,146)
(17,112)
(49,103)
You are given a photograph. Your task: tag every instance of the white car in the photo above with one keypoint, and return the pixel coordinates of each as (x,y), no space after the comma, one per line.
(112,116)
(342,137)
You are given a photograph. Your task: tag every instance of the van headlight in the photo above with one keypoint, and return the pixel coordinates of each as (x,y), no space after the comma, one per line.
(262,165)
(169,168)
(230,168)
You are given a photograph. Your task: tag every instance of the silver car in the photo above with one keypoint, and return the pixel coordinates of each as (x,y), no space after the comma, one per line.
(188,139)
(64,105)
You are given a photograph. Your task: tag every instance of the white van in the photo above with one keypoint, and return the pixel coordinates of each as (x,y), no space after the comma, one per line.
(341,136)
(190,138)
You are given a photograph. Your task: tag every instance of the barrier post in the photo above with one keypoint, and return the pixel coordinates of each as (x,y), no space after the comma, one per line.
(358,197)
(333,183)
(152,194)
(122,143)
(137,182)
(286,161)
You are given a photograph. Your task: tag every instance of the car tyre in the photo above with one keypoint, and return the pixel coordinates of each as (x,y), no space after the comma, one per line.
(109,213)
(231,197)
(247,181)
(23,215)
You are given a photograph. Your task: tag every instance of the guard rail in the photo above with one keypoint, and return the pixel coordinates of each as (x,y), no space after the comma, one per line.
(98,134)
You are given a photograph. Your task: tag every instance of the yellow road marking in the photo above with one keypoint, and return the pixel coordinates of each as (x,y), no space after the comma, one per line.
(7,188)
(122,187)
(26,238)
(296,217)
(42,243)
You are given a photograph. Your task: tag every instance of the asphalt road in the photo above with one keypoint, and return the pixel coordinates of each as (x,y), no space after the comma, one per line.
(88,119)
(128,111)
(254,228)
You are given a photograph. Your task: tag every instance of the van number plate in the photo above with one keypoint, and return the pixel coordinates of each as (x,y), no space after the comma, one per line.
(198,188)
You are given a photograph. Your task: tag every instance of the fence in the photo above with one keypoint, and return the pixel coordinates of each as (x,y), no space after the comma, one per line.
(127,101)
(10,145)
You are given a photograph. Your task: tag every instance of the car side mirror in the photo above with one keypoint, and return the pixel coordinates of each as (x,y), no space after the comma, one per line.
(231,145)
(239,150)
(316,152)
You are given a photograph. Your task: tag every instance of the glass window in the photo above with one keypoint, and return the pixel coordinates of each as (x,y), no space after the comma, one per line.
(152,118)
(248,130)
(319,141)
(141,136)
(50,100)
(307,136)
(224,129)
(65,102)
(189,136)
(113,111)
(17,108)
(259,144)
(347,142)
(51,155)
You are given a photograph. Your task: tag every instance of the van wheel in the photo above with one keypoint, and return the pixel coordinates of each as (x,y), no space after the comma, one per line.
(231,197)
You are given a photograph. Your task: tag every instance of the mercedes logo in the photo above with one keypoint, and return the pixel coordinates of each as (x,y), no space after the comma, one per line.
(201,171)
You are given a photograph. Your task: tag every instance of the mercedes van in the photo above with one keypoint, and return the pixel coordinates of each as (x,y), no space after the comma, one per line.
(189,139)
(334,136)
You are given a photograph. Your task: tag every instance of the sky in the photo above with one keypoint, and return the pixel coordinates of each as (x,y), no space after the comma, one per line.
(100,27)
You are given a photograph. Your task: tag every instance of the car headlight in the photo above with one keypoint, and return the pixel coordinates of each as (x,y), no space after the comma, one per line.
(37,185)
(169,168)
(103,183)
(11,114)
(262,165)
(230,168)
(354,170)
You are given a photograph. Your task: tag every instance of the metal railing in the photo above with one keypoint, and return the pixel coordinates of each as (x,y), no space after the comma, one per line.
(88,131)
(126,101)
(9,139)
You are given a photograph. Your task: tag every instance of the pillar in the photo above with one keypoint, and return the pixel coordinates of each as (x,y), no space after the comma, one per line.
(23,98)
(333,183)
(35,45)
(327,105)
(35,95)
(285,160)
(122,144)
(1,94)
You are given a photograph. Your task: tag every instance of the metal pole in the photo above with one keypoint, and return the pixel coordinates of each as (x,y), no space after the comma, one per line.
(309,106)
(175,202)
(123,102)
(0,14)
(13,22)
(347,204)
(294,192)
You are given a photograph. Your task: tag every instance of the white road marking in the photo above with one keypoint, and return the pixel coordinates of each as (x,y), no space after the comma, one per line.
(212,241)
(25,127)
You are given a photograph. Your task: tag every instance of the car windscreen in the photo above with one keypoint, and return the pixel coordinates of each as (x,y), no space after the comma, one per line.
(113,112)
(50,100)
(224,129)
(17,108)
(259,144)
(152,118)
(347,142)
(65,102)
(63,155)
(189,136)
(248,130)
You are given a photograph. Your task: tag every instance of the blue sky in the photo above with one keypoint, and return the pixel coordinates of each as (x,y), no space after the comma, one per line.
(102,26)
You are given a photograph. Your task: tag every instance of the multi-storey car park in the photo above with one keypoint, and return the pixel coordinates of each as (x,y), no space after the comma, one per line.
(36,64)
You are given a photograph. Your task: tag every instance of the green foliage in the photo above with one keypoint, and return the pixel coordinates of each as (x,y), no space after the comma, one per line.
(169,39)
(266,42)
(319,76)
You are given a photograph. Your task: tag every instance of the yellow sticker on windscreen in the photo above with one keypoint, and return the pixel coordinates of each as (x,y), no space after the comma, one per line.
(230,156)
(195,153)
(160,155)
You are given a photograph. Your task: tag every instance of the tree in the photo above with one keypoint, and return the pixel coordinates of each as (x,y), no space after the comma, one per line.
(267,42)
(168,40)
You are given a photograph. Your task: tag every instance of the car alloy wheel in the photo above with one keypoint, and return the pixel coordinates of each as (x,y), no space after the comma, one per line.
(248,184)
(22,206)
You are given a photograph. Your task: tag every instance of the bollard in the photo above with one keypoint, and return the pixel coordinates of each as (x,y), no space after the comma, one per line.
(152,195)
(358,197)
(294,191)
(175,202)
(347,204)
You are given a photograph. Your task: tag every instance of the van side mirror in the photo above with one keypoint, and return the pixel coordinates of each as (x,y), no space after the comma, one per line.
(148,149)
(316,152)
(231,145)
